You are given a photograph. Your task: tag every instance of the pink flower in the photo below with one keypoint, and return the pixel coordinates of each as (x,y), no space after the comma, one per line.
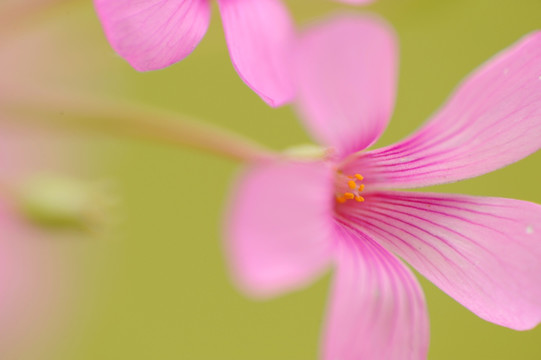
(38,279)
(290,219)
(153,34)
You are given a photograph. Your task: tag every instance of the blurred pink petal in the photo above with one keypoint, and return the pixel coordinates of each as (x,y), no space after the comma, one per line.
(347,80)
(377,308)
(153,34)
(276,244)
(33,284)
(259,35)
(484,252)
(492,120)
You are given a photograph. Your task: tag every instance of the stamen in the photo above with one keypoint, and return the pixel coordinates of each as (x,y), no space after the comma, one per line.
(347,188)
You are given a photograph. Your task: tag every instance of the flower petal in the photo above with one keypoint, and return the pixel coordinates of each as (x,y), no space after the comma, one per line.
(492,120)
(153,34)
(377,309)
(279,225)
(347,78)
(484,252)
(259,35)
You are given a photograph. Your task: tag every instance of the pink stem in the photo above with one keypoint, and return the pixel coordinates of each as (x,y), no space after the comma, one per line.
(131,121)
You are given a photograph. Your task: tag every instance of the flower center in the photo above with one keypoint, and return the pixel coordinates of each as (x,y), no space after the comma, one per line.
(348,187)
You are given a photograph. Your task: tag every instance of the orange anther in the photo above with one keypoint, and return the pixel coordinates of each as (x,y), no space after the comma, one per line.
(359,177)
(359,198)
(361,187)
(352,184)
(341,199)
(349,196)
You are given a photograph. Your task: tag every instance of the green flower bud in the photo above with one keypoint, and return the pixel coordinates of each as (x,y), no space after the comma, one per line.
(58,202)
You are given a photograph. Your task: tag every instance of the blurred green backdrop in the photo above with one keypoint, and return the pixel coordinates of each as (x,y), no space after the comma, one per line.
(156,286)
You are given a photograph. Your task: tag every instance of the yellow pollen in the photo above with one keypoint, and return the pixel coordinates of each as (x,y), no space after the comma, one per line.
(355,189)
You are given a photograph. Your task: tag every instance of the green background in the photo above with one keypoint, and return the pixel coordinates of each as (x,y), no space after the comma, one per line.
(155,285)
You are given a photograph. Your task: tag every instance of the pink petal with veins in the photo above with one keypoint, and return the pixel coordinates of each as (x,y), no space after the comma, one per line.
(377,308)
(153,34)
(492,120)
(484,252)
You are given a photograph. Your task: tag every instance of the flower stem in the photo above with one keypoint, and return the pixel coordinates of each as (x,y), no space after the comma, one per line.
(127,120)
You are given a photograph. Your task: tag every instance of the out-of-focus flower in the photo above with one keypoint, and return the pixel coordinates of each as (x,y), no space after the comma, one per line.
(33,154)
(44,208)
(153,34)
(290,219)
(37,277)
(44,205)
(32,282)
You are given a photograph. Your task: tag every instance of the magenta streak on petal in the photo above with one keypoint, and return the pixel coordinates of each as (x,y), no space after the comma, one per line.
(425,233)
(377,309)
(427,140)
(493,119)
(488,249)
(369,221)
